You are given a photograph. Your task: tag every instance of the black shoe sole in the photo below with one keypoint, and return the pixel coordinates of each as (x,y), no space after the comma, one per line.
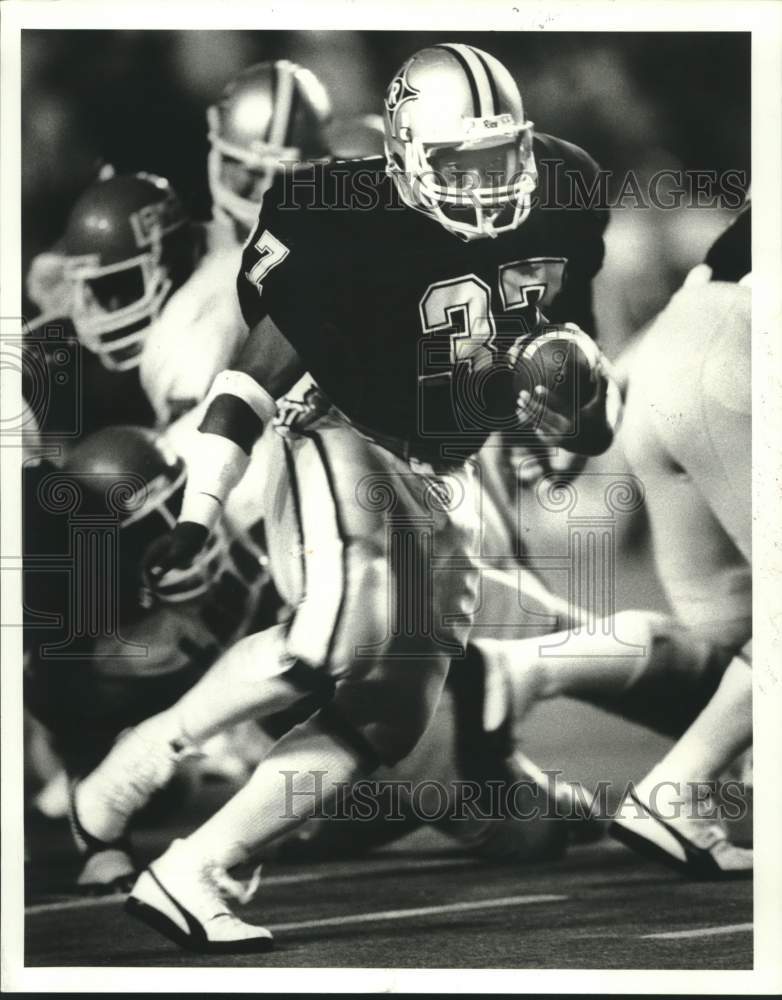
(159,922)
(702,869)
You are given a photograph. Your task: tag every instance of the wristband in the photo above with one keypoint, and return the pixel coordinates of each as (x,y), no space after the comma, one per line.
(244,386)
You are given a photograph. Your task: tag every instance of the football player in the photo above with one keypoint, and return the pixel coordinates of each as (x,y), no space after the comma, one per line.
(403,307)
(128,247)
(686,433)
(121,653)
(269,118)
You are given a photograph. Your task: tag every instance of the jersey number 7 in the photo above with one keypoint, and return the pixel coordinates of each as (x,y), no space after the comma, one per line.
(271,252)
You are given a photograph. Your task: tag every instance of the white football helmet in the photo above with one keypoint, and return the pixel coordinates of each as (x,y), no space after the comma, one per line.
(458,144)
(269,117)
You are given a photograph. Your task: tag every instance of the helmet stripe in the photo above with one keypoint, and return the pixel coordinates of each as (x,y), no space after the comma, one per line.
(293,110)
(282,102)
(495,97)
(273,87)
(480,76)
(476,100)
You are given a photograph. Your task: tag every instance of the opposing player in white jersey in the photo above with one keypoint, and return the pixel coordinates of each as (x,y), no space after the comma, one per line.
(686,434)
(267,120)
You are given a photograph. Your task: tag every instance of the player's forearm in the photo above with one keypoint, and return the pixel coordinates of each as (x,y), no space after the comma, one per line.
(237,409)
(240,403)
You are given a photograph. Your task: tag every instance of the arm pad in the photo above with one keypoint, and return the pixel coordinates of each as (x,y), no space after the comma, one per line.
(219,466)
(237,408)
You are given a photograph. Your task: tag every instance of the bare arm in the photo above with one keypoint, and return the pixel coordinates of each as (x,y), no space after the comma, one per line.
(269,359)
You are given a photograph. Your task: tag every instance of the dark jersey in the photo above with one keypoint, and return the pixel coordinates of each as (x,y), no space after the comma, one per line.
(403,325)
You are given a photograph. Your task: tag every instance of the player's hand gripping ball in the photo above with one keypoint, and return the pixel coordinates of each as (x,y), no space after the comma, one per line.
(560,386)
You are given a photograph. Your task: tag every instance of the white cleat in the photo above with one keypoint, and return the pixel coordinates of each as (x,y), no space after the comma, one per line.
(186,902)
(697,846)
(107,867)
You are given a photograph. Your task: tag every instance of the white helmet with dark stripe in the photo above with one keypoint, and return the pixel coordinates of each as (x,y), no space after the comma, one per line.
(268,118)
(458,144)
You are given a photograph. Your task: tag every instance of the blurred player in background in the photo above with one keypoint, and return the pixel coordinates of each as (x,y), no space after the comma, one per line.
(270,118)
(121,652)
(128,247)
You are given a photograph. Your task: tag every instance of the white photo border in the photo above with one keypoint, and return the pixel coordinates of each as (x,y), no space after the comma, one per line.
(764,21)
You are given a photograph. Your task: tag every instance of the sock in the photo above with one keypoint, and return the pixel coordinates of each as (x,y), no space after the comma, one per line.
(249,680)
(721,732)
(536,671)
(141,761)
(300,775)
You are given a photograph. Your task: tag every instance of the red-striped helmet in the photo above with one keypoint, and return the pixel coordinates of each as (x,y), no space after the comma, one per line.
(270,117)
(458,144)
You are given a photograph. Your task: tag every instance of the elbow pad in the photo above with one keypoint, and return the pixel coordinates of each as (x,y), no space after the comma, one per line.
(237,408)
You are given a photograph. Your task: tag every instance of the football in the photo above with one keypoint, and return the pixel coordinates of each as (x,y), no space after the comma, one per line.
(561,361)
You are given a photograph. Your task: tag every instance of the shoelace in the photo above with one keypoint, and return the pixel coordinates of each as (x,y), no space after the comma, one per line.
(228,887)
(704,827)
